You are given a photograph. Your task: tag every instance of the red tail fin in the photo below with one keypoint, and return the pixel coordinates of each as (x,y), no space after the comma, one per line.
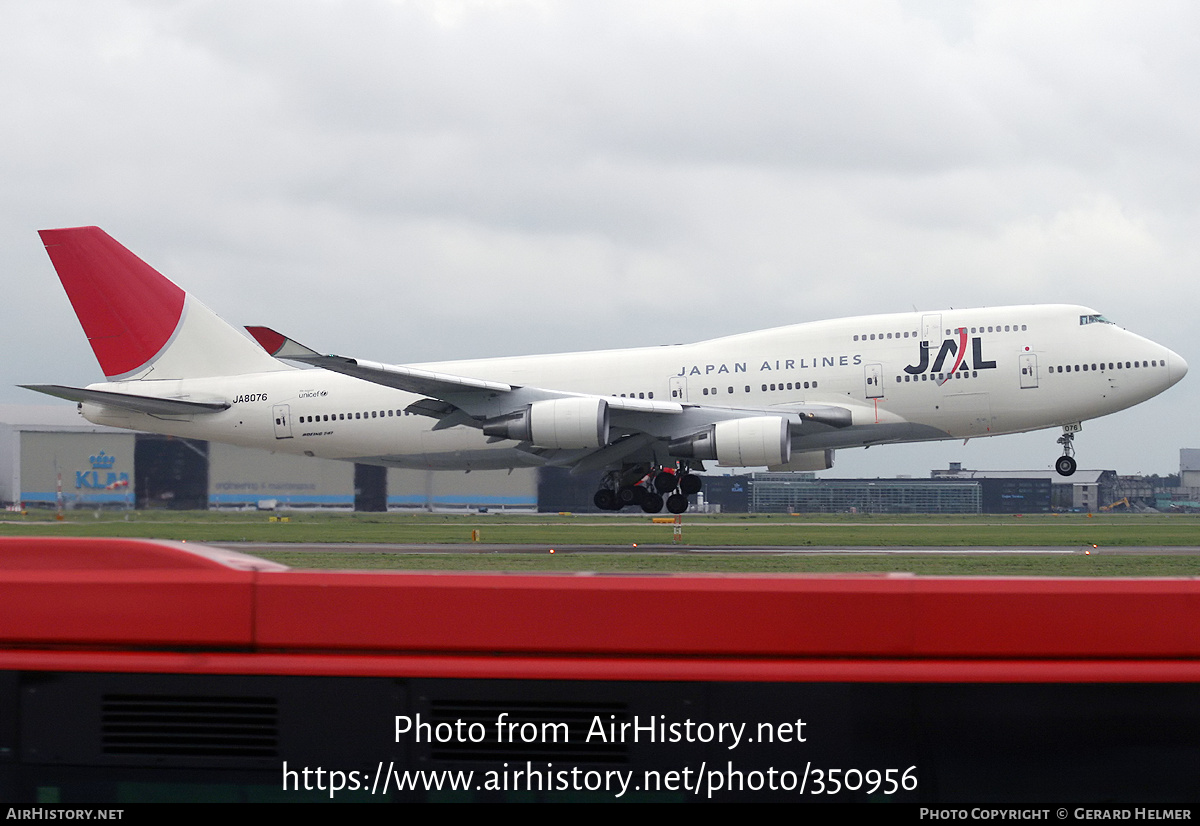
(128,310)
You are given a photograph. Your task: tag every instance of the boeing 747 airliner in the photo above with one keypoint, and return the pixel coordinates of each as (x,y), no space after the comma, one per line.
(784,398)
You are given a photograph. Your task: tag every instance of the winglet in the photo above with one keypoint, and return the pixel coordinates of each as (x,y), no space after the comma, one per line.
(268,339)
(279,345)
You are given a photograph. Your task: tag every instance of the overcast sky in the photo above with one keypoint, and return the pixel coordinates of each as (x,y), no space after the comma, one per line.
(414,181)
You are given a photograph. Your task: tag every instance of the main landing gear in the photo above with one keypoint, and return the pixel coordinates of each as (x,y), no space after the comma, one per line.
(651,491)
(1066,463)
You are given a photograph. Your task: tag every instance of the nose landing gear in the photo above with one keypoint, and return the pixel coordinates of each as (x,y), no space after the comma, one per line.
(1066,463)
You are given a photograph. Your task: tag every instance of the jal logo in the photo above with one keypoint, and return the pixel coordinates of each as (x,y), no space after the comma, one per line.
(953,351)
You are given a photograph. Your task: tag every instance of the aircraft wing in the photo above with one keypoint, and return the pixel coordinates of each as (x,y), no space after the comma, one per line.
(428,382)
(152,405)
(581,430)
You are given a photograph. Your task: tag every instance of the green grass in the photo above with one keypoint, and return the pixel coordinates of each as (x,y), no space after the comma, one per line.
(537,534)
(1069,530)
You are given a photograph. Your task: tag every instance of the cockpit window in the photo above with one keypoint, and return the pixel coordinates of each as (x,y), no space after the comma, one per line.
(1093,319)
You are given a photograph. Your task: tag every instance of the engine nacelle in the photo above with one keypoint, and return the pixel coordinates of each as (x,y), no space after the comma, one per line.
(556,423)
(808,460)
(749,442)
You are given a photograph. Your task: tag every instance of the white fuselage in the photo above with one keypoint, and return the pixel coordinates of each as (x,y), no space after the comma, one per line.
(905,377)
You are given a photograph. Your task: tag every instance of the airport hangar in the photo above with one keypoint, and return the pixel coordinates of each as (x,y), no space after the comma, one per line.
(109,467)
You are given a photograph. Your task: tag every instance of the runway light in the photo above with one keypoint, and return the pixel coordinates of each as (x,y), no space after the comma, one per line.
(635,544)
(551,550)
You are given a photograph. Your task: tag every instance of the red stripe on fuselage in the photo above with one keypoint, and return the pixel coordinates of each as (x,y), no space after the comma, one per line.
(128,310)
(962,349)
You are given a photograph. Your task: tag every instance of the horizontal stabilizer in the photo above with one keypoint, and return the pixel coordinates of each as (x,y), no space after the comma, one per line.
(128,401)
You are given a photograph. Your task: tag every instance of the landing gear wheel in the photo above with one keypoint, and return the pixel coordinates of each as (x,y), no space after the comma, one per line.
(605,500)
(665,481)
(628,495)
(652,502)
(689,484)
(1065,465)
(677,503)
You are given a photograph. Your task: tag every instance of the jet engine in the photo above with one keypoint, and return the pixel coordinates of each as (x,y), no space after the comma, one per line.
(556,423)
(749,442)
(806,460)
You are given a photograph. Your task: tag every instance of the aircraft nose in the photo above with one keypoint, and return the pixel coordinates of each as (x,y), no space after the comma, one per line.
(1176,367)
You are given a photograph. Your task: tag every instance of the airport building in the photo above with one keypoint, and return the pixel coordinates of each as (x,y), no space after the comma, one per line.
(49,453)
(1086,491)
(947,491)
(783,493)
(1189,468)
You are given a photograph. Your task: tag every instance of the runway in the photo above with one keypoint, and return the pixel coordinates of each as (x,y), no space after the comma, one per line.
(780,550)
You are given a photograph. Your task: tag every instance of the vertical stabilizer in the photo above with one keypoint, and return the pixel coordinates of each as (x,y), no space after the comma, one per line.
(140,324)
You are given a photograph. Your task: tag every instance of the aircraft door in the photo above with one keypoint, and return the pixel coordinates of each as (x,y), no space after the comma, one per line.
(678,388)
(874,381)
(931,327)
(283,421)
(1029,376)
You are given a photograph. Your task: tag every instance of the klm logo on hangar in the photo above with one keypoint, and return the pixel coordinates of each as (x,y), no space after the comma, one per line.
(101,476)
